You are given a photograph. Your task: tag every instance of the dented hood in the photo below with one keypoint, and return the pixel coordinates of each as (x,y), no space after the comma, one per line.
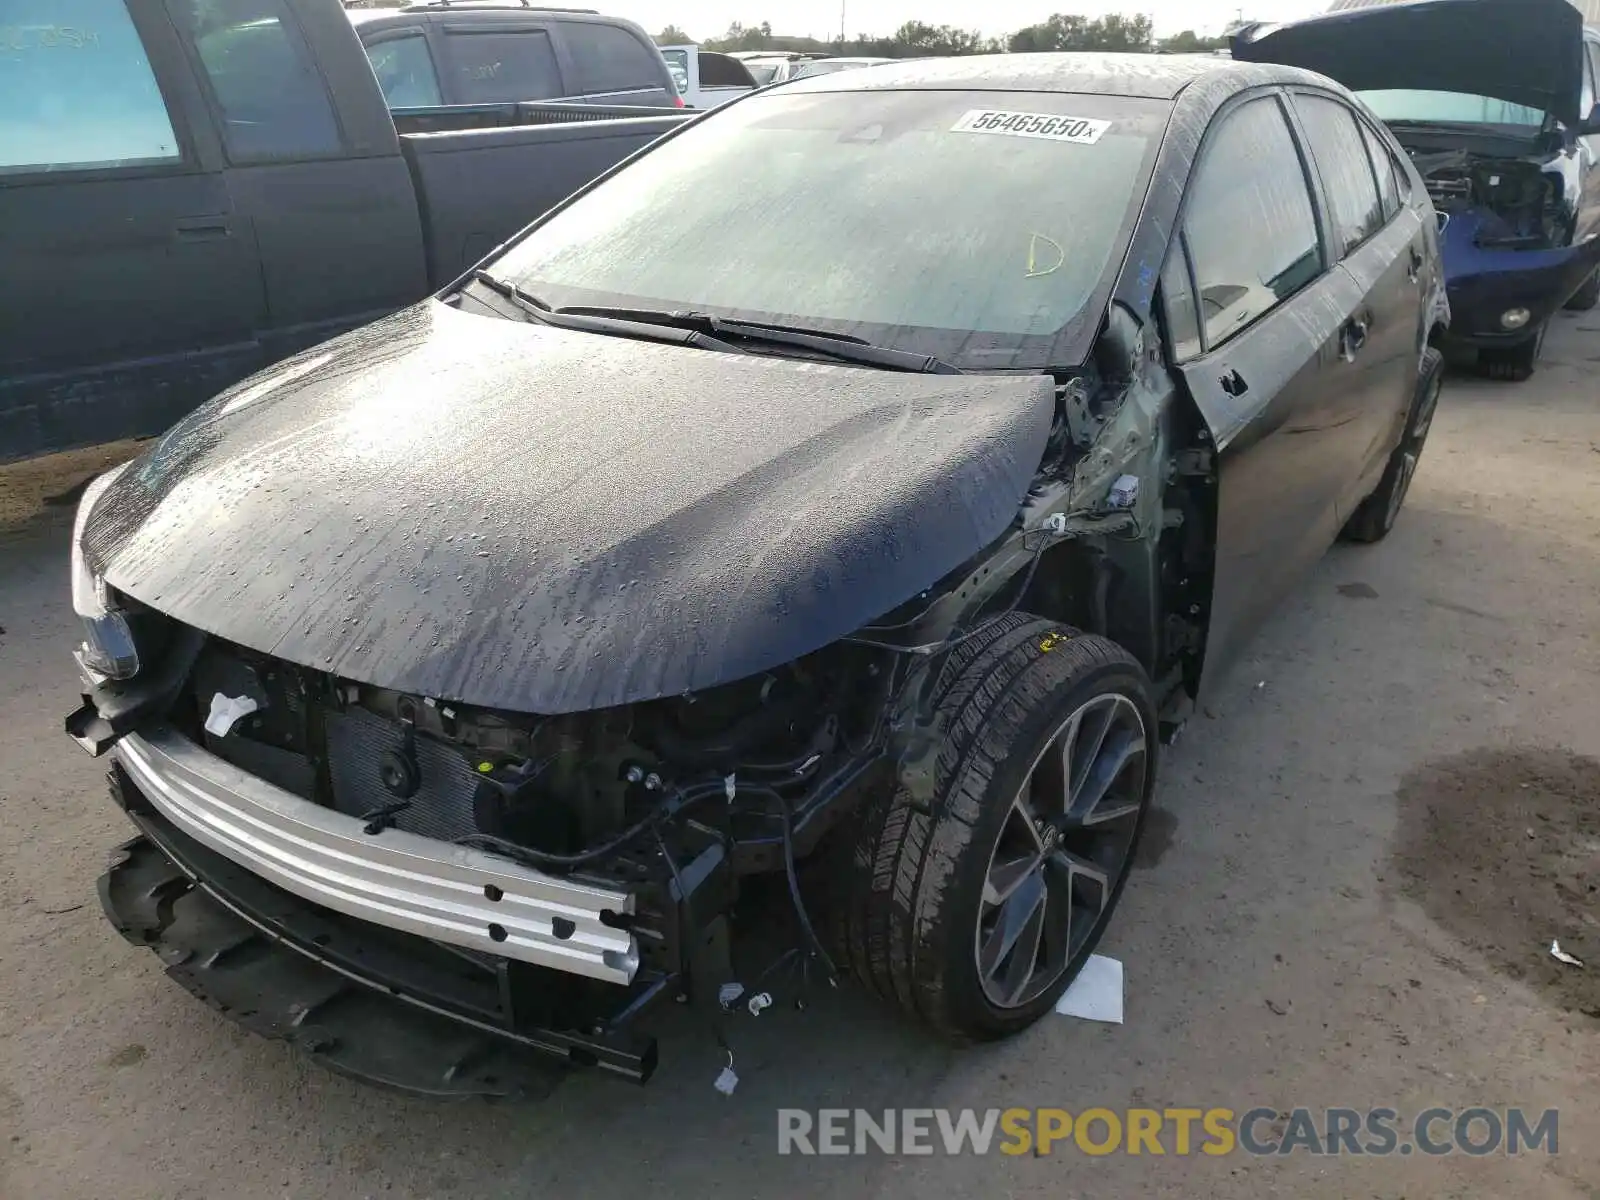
(1521,51)
(527,518)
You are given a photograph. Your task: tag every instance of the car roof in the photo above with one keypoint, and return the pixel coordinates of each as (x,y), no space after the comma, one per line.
(1152,76)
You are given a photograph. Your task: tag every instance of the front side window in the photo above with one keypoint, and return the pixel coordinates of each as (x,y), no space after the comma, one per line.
(76,90)
(1183,318)
(502,67)
(404,68)
(1250,226)
(1345,168)
(918,219)
(609,58)
(274,105)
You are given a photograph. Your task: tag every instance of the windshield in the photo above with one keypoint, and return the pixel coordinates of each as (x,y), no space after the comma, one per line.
(1398,104)
(918,220)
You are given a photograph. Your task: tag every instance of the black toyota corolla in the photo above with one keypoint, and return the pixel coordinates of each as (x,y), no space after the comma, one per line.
(853,488)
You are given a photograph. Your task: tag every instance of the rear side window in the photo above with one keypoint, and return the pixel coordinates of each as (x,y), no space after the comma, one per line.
(1341,156)
(273,102)
(1383,163)
(76,90)
(609,58)
(496,67)
(405,71)
(1250,226)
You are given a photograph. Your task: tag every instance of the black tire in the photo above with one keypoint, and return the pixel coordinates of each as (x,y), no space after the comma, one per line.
(1587,296)
(1373,520)
(910,874)
(1517,364)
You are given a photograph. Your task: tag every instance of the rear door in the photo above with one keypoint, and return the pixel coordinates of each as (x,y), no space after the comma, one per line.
(611,64)
(330,200)
(1264,310)
(129,284)
(1376,244)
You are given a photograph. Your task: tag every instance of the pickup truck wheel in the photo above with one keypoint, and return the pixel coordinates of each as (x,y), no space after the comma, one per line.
(1373,520)
(973,907)
(1588,296)
(1517,364)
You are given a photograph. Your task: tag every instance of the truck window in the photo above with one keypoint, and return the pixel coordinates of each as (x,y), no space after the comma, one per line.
(678,68)
(609,58)
(405,71)
(76,90)
(273,102)
(502,66)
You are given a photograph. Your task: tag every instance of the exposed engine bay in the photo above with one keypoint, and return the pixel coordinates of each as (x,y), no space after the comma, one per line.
(1523,205)
(561,794)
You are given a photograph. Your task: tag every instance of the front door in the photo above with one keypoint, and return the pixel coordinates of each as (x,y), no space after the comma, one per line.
(1263,363)
(131,287)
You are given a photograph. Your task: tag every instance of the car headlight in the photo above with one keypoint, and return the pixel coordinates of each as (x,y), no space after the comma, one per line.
(107,651)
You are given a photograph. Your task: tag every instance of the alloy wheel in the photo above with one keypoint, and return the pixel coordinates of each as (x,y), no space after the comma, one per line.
(1061,850)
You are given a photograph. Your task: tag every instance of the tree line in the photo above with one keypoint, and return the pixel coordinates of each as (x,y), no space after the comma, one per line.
(1063,31)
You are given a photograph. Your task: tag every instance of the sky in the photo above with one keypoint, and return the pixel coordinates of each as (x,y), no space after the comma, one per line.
(703,19)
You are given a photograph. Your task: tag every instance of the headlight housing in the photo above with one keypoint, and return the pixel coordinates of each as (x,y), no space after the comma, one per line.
(107,651)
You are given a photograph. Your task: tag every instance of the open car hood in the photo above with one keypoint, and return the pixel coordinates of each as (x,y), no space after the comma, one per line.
(527,518)
(1526,52)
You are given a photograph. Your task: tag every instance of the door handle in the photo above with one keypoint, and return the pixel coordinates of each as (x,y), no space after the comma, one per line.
(1352,337)
(194,229)
(1234,383)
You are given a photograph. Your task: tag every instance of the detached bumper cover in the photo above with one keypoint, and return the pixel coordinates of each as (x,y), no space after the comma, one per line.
(394,879)
(382,1007)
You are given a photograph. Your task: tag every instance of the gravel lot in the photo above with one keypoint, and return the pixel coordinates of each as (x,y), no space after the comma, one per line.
(1366,846)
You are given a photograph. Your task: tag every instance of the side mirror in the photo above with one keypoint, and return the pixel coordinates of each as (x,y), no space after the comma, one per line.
(1590,125)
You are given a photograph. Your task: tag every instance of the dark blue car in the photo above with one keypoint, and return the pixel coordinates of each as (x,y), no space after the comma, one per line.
(1496,102)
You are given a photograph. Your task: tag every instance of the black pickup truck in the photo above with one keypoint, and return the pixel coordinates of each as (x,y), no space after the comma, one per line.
(178,211)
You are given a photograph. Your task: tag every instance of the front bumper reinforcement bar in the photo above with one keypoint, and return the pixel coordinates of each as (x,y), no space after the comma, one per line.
(446,893)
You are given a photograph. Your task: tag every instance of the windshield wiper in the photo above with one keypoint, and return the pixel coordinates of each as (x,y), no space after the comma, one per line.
(843,347)
(598,322)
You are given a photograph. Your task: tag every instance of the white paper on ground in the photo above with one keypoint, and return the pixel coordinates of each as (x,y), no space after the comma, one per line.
(1096,994)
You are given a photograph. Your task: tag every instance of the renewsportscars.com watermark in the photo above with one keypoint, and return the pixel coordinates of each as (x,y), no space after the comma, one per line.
(1162,1131)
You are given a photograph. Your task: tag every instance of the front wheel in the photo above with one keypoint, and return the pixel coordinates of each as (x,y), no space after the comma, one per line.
(973,907)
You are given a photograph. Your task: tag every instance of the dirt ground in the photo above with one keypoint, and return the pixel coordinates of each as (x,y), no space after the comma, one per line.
(1364,848)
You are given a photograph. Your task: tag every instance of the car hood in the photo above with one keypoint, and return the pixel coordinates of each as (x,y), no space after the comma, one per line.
(1522,51)
(527,518)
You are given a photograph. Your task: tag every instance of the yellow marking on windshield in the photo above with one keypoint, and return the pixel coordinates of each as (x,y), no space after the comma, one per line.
(1035,240)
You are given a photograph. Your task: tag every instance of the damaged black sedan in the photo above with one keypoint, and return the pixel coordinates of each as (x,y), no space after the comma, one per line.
(851,489)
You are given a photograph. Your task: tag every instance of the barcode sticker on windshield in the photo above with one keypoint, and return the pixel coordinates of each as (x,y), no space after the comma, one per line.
(1081,130)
